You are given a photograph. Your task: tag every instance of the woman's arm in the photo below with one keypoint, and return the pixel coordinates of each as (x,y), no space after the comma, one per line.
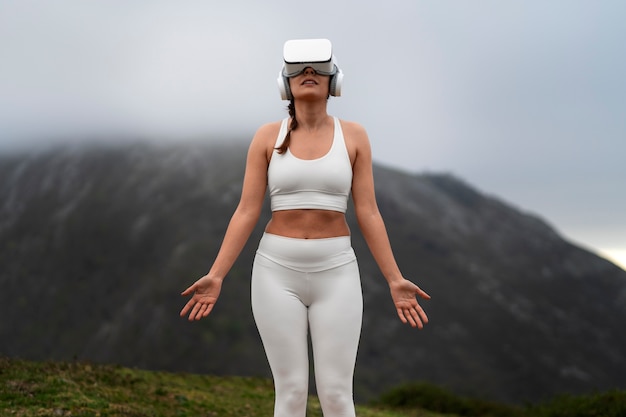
(206,290)
(403,292)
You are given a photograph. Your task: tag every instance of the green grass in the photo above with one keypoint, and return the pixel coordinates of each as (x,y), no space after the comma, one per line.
(81,389)
(434,398)
(427,396)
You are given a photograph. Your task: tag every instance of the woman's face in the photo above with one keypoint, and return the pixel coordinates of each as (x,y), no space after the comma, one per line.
(309,84)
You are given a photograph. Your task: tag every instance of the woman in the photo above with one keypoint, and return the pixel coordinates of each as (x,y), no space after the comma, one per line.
(305,274)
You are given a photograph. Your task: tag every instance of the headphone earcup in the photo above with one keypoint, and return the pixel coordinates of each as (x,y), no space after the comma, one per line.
(335,83)
(283,87)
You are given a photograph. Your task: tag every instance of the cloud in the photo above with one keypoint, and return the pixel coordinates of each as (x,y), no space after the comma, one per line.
(74,67)
(524,99)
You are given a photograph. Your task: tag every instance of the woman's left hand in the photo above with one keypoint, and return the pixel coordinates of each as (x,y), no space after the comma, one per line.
(404,294)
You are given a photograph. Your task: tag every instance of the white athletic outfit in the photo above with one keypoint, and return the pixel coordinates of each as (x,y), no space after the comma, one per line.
(301,284)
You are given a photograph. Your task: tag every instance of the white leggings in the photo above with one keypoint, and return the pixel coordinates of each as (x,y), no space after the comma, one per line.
(299,284)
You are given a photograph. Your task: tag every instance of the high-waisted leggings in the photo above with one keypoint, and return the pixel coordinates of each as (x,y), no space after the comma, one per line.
(302,284)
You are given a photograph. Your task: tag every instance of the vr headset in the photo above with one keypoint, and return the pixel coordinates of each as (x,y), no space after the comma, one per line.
(300,54)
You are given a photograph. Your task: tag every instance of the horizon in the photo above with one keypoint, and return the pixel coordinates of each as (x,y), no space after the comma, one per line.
(522,99)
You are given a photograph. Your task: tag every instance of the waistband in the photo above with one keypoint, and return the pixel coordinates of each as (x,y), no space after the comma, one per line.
(307,255)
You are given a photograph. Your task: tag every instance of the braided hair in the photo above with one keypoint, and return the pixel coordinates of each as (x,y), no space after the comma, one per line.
(292,126)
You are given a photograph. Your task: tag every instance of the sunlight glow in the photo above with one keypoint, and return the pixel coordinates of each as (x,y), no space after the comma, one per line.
(617,256)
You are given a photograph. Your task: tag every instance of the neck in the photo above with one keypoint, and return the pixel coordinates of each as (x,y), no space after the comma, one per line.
(311,115)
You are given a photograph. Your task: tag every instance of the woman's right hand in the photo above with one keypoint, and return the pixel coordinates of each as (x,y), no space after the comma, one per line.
(205,292)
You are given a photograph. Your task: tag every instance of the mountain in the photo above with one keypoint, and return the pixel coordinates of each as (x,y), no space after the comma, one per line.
(96,244)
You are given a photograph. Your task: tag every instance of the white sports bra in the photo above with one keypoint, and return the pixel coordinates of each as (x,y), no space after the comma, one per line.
(323,183)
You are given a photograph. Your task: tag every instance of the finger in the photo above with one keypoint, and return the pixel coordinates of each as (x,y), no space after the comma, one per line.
(401,315)
(204,311)
(189,290)
(423,294)
(409,315)
(416,319)
(419,314)
(405,317)
(186,308)
(194,311)
(423,315)
(208,310)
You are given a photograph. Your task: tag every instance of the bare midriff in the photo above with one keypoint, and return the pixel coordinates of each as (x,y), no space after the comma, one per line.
(308,224)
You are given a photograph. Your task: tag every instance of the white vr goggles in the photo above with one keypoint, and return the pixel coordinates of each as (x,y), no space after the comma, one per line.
(309,53)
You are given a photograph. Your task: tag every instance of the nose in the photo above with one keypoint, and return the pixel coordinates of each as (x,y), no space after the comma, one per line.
(309,71)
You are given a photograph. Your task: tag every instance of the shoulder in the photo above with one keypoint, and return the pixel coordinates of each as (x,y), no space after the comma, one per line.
(268,130)
(264,139)
(352,129)
(267,134)
(356,139)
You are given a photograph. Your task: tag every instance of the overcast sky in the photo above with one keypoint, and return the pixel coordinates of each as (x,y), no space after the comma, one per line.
(522,99)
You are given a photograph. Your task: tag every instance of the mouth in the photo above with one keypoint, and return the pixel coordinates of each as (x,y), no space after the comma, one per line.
(309,82)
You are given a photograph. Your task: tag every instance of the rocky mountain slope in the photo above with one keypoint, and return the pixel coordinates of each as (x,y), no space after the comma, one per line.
(96,245)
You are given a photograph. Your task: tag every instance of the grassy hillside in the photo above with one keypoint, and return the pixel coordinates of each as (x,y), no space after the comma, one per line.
(105,239)
(83,389)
